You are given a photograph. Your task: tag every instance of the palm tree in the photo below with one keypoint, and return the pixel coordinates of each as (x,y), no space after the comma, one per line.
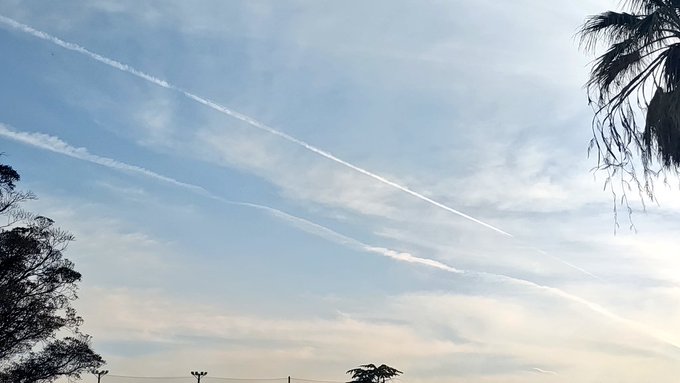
(638,74)
(369,373)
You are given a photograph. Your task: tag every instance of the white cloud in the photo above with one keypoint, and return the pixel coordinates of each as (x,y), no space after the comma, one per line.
(109,251)
(435,332)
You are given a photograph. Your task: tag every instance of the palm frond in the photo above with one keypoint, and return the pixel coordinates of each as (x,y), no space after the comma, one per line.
(614,67)
(662,129)
(646,5)
(610,26)
(642,60)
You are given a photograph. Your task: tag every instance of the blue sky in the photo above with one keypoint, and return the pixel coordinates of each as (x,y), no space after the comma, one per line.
(209,243)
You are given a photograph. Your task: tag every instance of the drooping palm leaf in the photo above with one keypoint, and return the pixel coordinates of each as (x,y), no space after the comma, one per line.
(638,74)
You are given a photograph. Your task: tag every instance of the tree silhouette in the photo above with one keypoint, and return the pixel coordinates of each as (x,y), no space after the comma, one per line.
(369,373)
(37,286)
(634,87)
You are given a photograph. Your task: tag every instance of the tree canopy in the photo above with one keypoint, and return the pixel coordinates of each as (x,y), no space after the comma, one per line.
(40,339)
(369,373)
(634,87)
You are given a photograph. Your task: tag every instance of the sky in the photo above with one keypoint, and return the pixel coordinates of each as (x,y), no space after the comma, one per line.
(263,189)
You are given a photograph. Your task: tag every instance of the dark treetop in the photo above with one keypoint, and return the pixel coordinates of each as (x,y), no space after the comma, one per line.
(39,336)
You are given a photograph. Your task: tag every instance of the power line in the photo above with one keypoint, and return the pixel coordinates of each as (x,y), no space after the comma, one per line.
(208,378)
(213,378)
(146,377)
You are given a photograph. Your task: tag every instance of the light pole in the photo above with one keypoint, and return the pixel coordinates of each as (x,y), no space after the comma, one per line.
(99,374)
(199,375)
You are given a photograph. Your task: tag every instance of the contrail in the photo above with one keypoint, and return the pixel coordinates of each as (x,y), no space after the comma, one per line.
(255,123)
(57,145)
(239,116)
(334,236)
(569,264)
(595,307)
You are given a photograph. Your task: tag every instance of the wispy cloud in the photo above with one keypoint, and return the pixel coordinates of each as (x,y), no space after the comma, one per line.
(242,117)
(154,316)
(334,236)
(542,371)
(57,145)
(259,125)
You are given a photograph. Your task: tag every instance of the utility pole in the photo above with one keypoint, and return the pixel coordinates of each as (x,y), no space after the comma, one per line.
(199,375)
(99,374)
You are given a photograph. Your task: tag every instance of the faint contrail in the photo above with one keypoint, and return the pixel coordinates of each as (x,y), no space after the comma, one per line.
(334,236)
(569,264)
(253,122)
(57,145)
(640,328)
(249,120)
(409,258)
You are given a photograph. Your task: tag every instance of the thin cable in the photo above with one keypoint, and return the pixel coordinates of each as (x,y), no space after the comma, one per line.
(191,377)
(148,377)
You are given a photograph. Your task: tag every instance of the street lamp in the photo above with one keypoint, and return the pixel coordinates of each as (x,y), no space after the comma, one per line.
(197,374)
(99,374)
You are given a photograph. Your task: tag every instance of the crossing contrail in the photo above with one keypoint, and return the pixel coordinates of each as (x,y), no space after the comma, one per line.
(239,116)
(57,145)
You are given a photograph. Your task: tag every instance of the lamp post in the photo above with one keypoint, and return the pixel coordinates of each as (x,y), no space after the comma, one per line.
(99,374)
(199,375)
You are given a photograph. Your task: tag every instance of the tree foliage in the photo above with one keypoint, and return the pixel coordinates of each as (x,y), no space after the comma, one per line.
(369,373)
(634,88)
(40,339)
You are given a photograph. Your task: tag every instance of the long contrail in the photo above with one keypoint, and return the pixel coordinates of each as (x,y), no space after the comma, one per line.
(253,122)
(242,117)
(57,145)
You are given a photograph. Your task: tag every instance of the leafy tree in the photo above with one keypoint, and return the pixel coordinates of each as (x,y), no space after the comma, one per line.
(369,373)
(634,88)
(40,339)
